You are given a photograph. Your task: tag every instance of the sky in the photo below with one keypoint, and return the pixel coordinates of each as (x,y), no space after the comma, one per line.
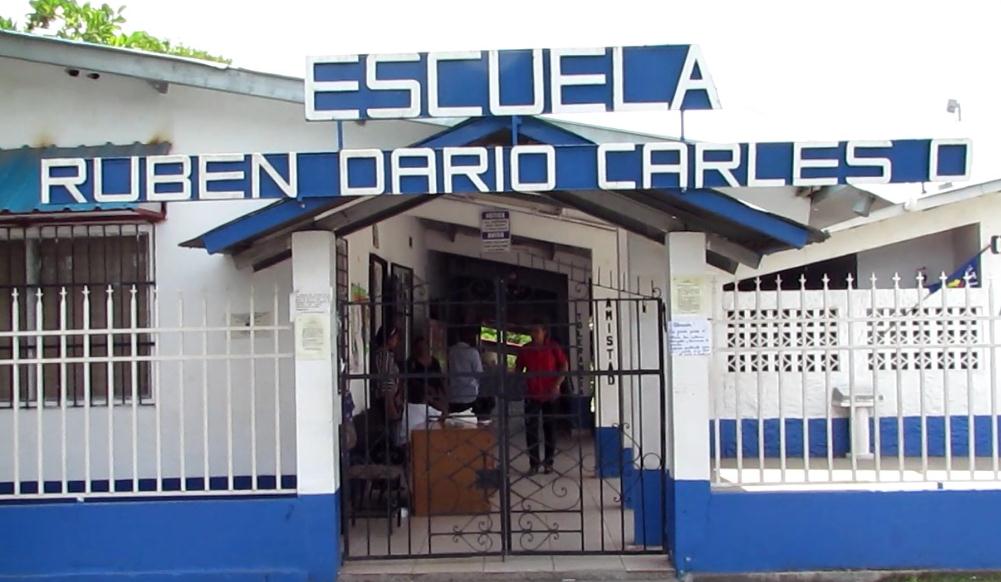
(784,70)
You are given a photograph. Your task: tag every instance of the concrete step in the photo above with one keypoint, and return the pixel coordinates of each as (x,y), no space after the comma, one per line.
(515,569)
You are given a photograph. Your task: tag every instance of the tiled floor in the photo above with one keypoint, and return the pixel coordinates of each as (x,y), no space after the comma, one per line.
(571,510)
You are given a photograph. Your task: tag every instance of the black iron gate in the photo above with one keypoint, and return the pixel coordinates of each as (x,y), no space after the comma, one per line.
(477,483)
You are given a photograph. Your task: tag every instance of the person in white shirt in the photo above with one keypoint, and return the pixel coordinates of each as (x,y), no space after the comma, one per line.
(465,369)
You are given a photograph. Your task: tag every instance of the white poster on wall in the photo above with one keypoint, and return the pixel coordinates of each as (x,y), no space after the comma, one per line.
(691,336)
(312,336)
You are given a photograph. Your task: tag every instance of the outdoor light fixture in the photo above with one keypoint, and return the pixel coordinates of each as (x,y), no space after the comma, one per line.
(863,205)
(954,107)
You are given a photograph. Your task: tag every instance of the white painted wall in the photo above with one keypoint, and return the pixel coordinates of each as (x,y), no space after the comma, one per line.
(937,253)
(68,112)
(899,227)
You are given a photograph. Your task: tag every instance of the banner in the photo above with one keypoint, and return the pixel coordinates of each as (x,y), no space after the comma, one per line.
(535,168)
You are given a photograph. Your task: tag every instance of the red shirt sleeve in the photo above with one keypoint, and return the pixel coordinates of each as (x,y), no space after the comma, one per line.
(559,356)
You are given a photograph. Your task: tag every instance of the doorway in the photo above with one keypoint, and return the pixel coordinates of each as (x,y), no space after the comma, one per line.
(415,486)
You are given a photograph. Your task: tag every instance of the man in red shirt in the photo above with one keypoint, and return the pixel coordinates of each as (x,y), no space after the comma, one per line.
(544,364)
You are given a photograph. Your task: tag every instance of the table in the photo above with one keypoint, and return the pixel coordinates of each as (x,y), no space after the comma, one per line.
(453,469)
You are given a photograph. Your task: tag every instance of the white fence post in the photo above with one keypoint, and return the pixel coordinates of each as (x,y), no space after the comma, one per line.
(689,309)
(317,404)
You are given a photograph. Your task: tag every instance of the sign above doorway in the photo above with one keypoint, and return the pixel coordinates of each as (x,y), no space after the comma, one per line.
(536,168)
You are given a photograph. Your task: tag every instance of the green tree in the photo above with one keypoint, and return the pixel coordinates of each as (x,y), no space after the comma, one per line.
(99,25)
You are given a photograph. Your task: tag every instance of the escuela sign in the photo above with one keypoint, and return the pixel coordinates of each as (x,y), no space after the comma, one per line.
(508,82)
(481,83)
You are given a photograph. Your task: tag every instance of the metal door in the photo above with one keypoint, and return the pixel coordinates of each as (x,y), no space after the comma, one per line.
(419,488)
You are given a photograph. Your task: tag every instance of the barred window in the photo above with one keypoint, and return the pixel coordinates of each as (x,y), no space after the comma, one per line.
(37,265)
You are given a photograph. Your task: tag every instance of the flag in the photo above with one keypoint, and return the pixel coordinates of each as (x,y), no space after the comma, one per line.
(966,273)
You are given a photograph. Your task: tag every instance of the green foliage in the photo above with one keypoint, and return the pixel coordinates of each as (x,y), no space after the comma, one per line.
(99,25)
(489,334)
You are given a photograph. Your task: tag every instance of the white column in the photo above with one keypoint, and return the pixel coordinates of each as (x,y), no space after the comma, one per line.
(690,300)
(317,402)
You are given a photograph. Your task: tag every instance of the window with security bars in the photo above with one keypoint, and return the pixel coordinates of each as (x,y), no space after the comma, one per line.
(925,338)
(782,340)
(55,268)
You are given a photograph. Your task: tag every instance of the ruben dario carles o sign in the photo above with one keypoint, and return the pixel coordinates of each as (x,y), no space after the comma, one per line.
(504,83)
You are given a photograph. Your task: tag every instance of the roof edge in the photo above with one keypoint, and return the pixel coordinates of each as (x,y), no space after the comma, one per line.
(920,204)
(149,66)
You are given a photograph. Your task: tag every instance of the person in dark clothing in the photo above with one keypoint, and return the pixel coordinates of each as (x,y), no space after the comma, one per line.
(545,364)
(425,384)
(380,422)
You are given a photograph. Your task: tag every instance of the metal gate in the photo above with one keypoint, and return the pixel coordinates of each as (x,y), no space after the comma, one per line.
(415,485)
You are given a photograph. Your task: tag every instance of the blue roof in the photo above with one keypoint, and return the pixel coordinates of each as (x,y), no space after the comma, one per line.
(20,176)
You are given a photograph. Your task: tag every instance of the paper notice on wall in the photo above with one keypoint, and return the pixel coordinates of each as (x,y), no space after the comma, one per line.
(690,337)
(495,231)
(687,295)
(312,336)
(312,302)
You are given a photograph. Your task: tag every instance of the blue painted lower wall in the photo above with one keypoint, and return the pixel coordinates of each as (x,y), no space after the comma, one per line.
(611,458)
(644,495)
(233,539)
(889,436)
(770,532)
